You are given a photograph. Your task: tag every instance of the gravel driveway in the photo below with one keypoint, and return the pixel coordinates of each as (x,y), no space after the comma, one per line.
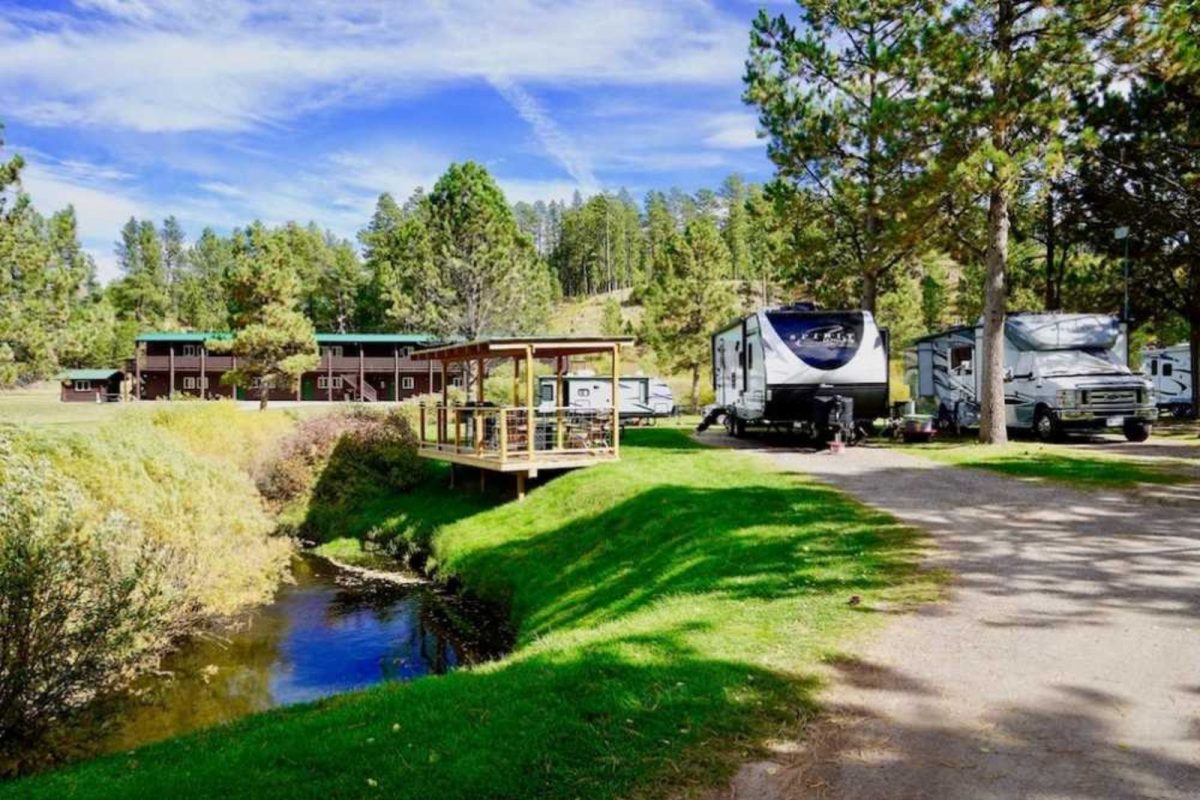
(1065,663)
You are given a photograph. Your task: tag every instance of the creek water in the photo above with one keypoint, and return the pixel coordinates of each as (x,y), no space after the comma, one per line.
(330,630)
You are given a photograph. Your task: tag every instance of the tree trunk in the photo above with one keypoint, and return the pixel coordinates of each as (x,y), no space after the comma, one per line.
(992,428)
(695,387)
(264,392)
(1194,353)
(870,291)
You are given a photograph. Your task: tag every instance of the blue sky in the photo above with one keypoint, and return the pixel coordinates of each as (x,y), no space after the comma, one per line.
(225,111)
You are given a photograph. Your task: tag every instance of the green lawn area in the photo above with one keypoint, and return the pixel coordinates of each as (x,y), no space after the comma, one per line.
(40,405)
(670,611)
(1083,468)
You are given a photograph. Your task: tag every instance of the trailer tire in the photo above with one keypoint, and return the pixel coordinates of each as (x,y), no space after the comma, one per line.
(1137,431)
(1046,426)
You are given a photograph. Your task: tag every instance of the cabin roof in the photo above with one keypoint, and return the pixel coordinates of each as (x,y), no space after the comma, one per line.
(511,347)
(88,374)
(322,338)
(929,337)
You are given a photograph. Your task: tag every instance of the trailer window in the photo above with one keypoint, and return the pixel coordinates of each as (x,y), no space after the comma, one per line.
(1154,366)
(585,392)
(1168,370)
(547,392)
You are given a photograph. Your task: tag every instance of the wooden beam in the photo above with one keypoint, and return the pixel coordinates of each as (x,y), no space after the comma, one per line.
(521,485)
(530,422)
(137,370)
(329,374)
(171,364)
(395,374)
(616,399)
(479,381)
(559,414)
(203,375)
(362,387)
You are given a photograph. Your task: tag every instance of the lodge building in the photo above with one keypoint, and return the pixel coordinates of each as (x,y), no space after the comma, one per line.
(372,367)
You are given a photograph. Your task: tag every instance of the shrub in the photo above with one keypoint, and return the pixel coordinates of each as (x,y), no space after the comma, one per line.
(334,458)
(81,605)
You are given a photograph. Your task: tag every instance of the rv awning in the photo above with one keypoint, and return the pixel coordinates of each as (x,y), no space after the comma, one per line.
(541,346)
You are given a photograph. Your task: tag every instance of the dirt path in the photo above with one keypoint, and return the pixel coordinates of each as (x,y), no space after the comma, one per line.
(1066,663)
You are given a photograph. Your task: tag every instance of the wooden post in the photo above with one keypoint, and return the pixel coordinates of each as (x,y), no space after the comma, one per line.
(395,374)
(443,428)
(457,430)
(171,371)
(559,414)
(521,485)
(137,370)
(203,374)
(479,381)
(478,415)
(516,394)
(529,420)
(362,387)
(616,399)
(421,414)
(503,435)
(329,374)
(233,388)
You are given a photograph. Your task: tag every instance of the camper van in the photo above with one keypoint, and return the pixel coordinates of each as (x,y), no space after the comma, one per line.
(1169,369)
(641,397)
(824,373)
(1062,372)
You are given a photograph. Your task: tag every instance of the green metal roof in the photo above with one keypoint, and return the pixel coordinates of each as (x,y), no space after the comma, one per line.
(385,338)
(88,374)
(183,336)
(322,338)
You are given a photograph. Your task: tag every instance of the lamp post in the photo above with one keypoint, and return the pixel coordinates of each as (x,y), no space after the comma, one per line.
(1121,234)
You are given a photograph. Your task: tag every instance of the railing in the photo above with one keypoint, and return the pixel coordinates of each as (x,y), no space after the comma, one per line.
(213,363)
(505,434)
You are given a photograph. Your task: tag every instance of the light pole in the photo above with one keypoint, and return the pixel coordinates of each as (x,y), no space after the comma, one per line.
(1121,234)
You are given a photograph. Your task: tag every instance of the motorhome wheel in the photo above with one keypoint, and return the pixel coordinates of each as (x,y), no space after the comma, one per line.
(1137,431)
(1045,425)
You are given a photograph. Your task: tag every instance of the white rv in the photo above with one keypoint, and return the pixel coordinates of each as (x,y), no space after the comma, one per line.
(1062,372)
(797,367)
(1169,369)
(641,397)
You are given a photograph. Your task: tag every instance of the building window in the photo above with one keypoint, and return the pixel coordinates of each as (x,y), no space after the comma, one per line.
(83,386)
(191,350)
(256,383)
(408,383)
(332,350)
(456,380)
(326,382)
(189,383)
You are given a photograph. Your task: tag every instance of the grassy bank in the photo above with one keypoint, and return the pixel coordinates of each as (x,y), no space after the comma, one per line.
(1083,468)
(670,611)
(179,474)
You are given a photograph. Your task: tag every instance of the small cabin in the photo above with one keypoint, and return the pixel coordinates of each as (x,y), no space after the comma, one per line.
(91,385)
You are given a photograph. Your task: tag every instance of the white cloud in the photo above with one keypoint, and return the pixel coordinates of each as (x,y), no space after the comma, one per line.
(221,188)
(165,65)
(733,132)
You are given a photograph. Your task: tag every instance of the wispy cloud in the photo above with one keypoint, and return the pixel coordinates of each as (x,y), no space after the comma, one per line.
(733,132)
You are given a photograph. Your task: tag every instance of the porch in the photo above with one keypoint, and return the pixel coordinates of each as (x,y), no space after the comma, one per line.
(524,436)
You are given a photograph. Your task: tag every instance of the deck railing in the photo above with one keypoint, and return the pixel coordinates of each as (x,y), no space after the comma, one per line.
(336,364)
(505,434)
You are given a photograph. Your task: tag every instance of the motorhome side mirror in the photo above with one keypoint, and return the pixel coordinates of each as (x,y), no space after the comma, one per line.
(1008,373)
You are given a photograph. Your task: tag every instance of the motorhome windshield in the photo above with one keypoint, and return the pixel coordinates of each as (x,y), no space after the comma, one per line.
(1071,363)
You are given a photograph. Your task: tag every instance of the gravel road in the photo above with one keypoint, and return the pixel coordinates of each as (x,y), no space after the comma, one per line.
(1065,663)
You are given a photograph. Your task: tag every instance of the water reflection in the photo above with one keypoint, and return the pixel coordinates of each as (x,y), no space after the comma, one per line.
(328,632)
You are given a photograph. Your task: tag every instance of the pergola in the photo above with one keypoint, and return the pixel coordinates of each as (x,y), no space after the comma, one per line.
(526,436)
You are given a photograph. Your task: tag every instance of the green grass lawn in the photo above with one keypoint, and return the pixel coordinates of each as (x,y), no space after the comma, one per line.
(1082,468)
(40,405)
(670,612)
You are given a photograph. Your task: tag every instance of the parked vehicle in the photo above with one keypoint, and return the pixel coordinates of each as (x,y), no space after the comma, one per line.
(642,397)
(1169,369)
(824,373)
(1063,372)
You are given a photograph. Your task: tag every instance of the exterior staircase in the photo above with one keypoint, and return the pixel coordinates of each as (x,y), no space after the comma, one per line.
(366,392)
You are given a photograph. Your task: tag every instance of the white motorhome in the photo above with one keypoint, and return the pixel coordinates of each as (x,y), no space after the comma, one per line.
(797,367)
(642,397)
(1169,369)
(1062,372)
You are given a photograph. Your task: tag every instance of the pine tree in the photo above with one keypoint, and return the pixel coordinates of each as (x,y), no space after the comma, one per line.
(842,98)
(691,301)
(1006,70)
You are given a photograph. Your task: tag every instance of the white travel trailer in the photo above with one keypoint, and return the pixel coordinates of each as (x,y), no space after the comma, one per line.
(1169,369)
(822,372)
(1062,372)
(641,397)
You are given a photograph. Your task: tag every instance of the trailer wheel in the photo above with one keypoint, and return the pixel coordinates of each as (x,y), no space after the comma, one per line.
(1045,425)
(1136,431)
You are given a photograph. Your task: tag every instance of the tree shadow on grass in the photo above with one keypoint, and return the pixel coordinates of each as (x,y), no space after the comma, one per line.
(629,717)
